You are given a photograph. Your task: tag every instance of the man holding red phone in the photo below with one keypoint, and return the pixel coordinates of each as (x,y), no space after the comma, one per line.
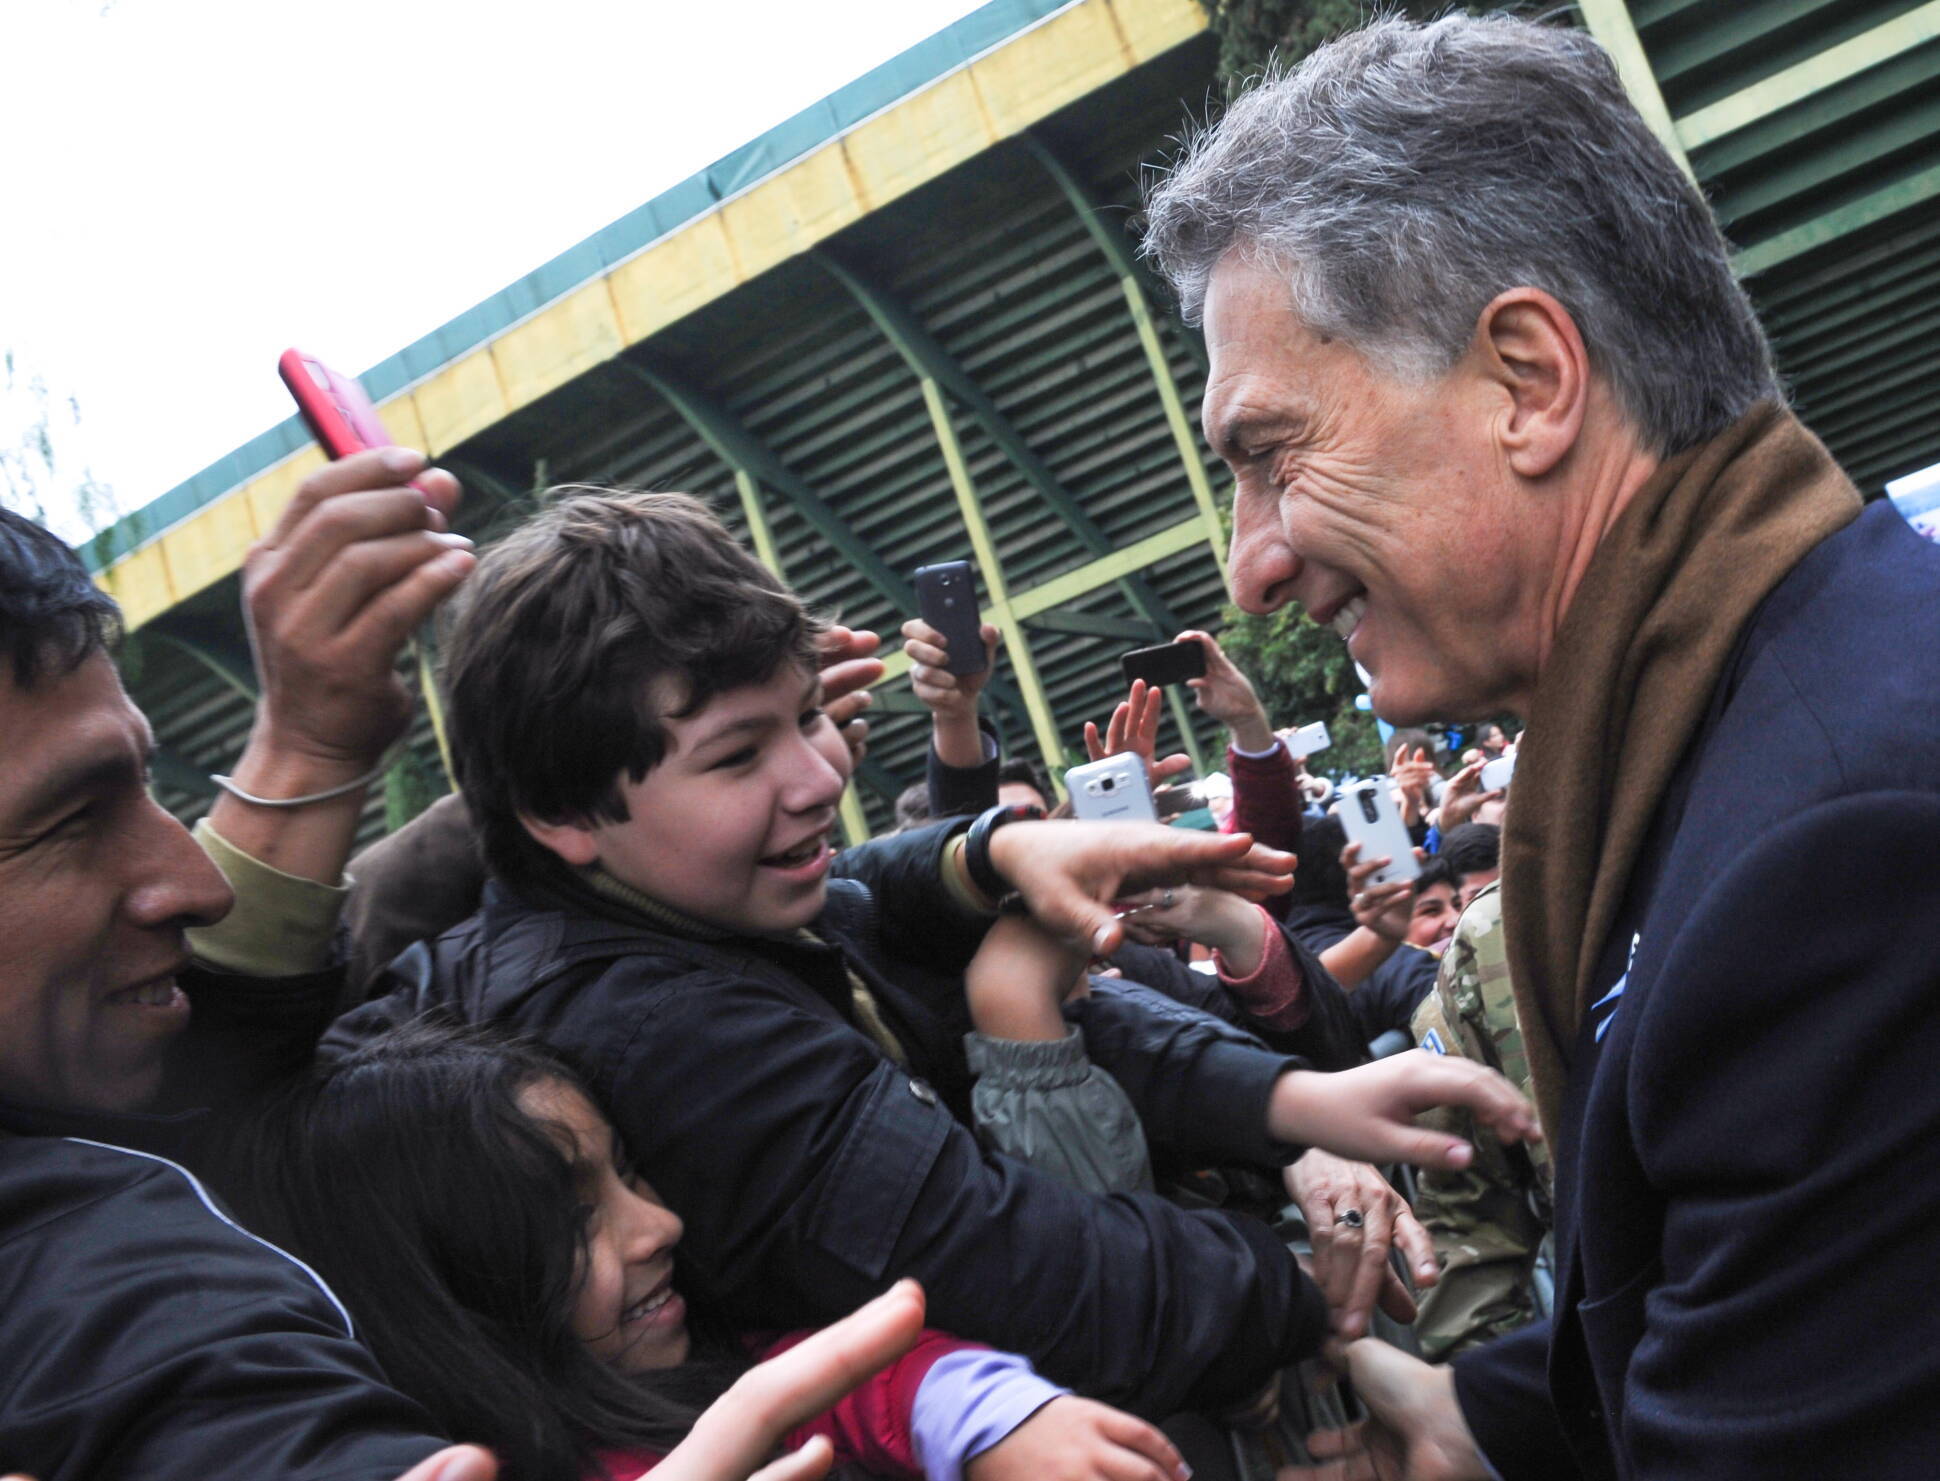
(125,1363)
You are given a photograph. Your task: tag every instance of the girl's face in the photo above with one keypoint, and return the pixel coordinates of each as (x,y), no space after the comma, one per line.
(626,1311)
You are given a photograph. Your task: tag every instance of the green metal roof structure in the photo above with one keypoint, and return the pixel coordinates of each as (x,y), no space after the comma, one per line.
(961,358)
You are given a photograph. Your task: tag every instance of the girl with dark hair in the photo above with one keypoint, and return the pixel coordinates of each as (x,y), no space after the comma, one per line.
(515,1275)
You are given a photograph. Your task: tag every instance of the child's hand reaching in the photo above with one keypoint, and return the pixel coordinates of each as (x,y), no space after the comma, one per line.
(1073,1439)
(1019,979)
(1367,1114)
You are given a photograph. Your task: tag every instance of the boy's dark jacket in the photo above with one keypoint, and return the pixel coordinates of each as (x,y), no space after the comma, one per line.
(812,1170)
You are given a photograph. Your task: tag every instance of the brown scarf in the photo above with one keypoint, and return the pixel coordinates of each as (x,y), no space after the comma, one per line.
(1641,648)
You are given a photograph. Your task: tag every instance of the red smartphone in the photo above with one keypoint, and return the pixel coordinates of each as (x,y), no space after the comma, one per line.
(335,407)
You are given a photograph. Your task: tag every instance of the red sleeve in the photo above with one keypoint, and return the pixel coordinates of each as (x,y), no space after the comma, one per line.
(1273,994)
(1266,797)
(871,1427)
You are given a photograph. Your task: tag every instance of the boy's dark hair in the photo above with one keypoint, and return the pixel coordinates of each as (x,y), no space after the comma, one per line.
(1473,848)
(579,635)
(449,1222)
(913,806)
(52,616)
(1022,771)
(1434,872)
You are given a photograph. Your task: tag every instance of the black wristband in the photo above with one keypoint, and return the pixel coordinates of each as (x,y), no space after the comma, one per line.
(976,846)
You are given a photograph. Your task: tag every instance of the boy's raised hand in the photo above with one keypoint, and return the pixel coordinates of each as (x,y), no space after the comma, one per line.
(1368,1114)
(1071,873)
(849,667)
(1134,727)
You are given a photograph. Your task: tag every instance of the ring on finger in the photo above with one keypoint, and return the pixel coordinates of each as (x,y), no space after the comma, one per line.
(1166,900)
(1350,1218)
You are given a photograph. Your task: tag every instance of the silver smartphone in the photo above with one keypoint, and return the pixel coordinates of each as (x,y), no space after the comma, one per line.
(1115,790)
(1368,813)
(1308,740)
(1496,774)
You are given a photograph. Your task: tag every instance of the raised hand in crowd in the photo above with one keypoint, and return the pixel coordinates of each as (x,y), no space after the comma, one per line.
(1385,909)
(1134,727)
(1413,777)
(1368,1113)
(1463,797)
(1071,873)
(1381,916)
(1217,919)
(849,667)
(1229,697)
(1354,1217)
(355,562)
(1074,1439)
(951,698)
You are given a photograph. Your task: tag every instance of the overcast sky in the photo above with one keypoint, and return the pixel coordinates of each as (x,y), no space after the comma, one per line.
(195,185)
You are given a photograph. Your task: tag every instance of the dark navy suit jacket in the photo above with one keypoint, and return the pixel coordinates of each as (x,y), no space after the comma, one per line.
(1748,1221)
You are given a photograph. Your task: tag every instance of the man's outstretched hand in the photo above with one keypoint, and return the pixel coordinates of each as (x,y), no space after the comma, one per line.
(1071,873)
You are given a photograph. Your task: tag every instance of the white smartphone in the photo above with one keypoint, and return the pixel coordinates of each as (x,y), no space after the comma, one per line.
(1309,740)
(1115,790)
(1496,774)
(1368,813)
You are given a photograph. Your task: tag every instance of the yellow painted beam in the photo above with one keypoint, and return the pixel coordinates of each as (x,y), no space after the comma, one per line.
(1017,643)
(1609,21)
(1816,73)
(955,117)
(1175,420)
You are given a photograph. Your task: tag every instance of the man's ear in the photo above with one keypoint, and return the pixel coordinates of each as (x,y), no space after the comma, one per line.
(576,845)
(1530,346)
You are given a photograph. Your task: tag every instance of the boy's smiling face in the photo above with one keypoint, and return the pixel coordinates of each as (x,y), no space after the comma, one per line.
(733,826)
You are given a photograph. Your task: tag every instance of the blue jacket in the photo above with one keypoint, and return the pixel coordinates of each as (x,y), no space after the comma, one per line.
(1749,1200)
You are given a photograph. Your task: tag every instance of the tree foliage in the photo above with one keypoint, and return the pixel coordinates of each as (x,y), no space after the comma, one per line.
(1303,674)
(1253,32)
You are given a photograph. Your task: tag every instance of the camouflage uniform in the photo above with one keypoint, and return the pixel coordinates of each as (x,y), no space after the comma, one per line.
(1488,1220)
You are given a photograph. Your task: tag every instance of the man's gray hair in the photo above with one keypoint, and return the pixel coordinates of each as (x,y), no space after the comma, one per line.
(1405,174)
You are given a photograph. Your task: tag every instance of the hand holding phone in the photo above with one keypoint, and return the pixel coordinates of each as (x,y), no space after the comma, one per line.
(1371,819)
(1116,789)
(1308,740)
(946,596)
(1168,663)
(1496,773)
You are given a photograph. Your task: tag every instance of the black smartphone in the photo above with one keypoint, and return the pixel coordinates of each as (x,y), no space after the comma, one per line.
(946,598)
(1169,663)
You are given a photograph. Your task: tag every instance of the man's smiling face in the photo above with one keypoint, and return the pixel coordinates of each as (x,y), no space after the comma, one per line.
(1379,505)
(97,884)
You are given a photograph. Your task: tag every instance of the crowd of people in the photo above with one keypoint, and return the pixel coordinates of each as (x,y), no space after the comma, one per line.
(610,1118)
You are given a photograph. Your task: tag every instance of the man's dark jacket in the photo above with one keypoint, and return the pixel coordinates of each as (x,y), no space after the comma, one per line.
(1750,1161)
(146,1335)
(811,1170)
